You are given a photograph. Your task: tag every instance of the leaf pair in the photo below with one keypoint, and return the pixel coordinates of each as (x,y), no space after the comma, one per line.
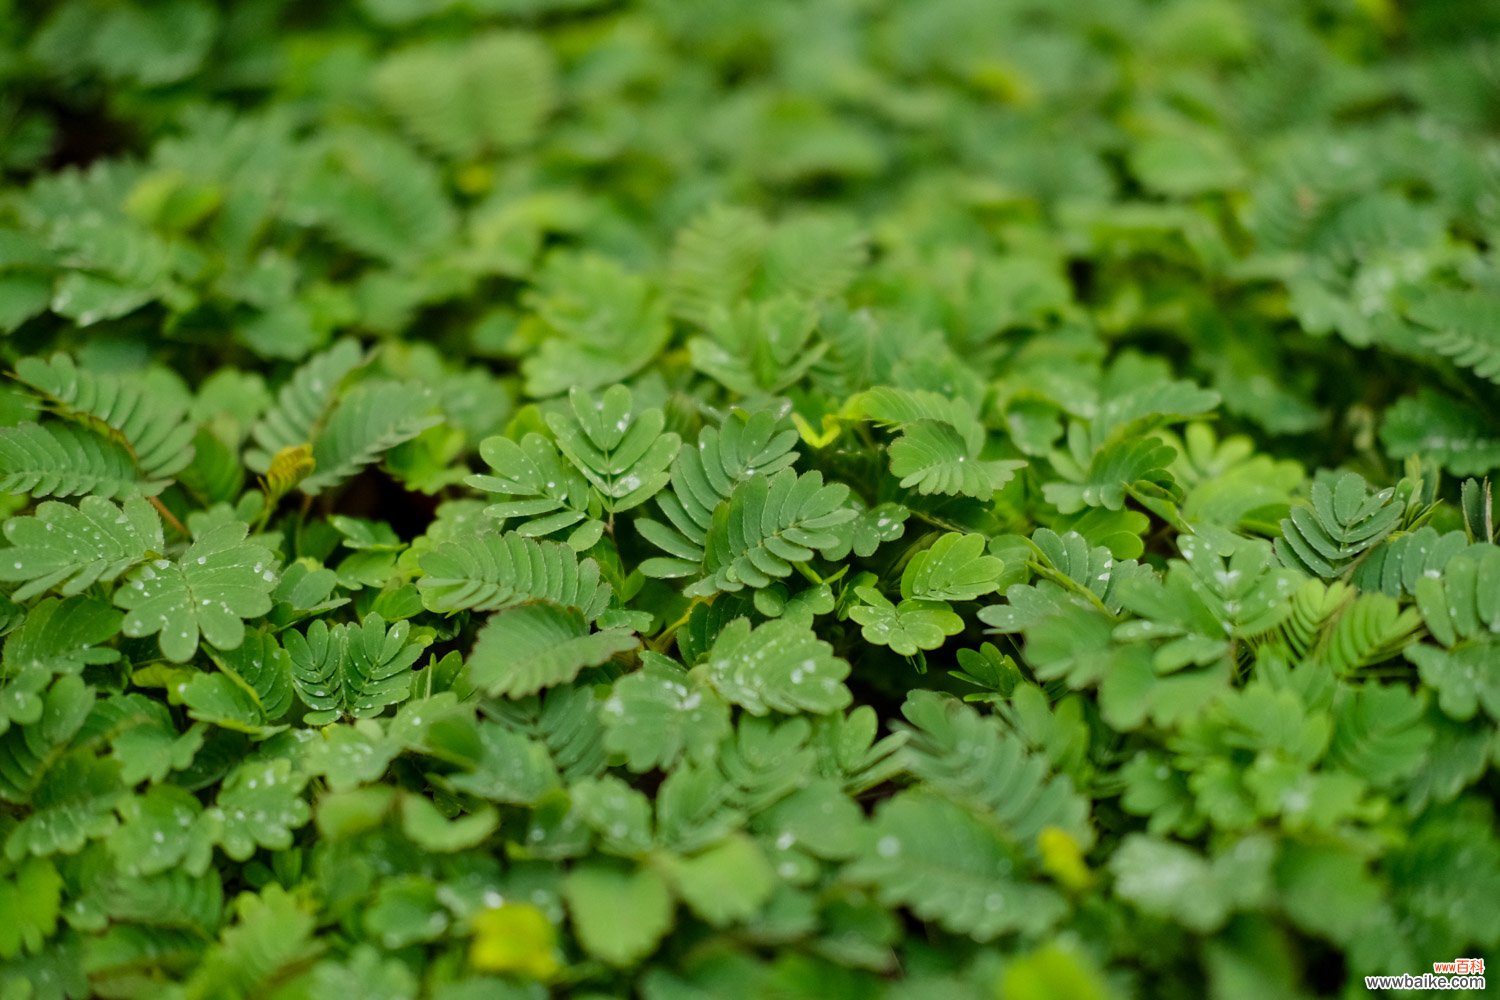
(353,671)
(127,441)
(611,459)
(346,430)
(1343,521)
(702,478)
(953,568)
(940,444)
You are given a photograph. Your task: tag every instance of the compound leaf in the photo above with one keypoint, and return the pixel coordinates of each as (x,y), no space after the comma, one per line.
(72,548)
(946,865)
(153,427)
(259,805)
(745,445)
(490,93)
(210,589)
(662,713)
(62,460)
(767,525)
(354,671)
(953,568)
(524,649)
(907,627)
(778,666)
(623,453)
(370,420)
(302,404)
(502,571)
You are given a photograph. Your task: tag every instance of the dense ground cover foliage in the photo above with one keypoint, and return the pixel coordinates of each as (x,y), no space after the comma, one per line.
(950,499)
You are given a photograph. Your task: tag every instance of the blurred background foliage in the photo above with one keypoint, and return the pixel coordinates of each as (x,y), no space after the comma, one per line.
(1272,194)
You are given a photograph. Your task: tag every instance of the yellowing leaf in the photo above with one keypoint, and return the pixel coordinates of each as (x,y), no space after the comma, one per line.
(515,938)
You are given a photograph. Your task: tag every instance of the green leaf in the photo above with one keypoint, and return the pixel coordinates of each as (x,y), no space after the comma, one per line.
(819,819)
(727,883)
(149,747)
(620,815)
(215,475)
(406,911)
(972,759)
(756,348)
(1463,327)
(745,445)
(63,636)
(373,194)
(369,420)
(211,588)
(1478,507)
(1326,890)
(160,831)
(153,427)
(273,934)
(1174,882)
(364,974)
(779,666)
(41,740)
(713,261)
(62,460)
(355,671)
(349,756)
(72,807)
(503,571)
(522,650)
(22,297)
(252,690)
(768,525)
(953,568)
(504,765)
(661,714)
(938,450)
(906,628)
(259,805)
(1463,602)
(1399,563)
(1462,439)
(432,831)
(1224,588)
(1369,630)
(623,454)
(869,530)
(1379,733)
(1113,472)
(814,256)
(1344,520)
(940,861)
(303,403)
(72,548)
(1464,678)
(931,457)
(547,494)
(598,893)
(1186,164)
(606,323)
(491,93)
(29,906)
